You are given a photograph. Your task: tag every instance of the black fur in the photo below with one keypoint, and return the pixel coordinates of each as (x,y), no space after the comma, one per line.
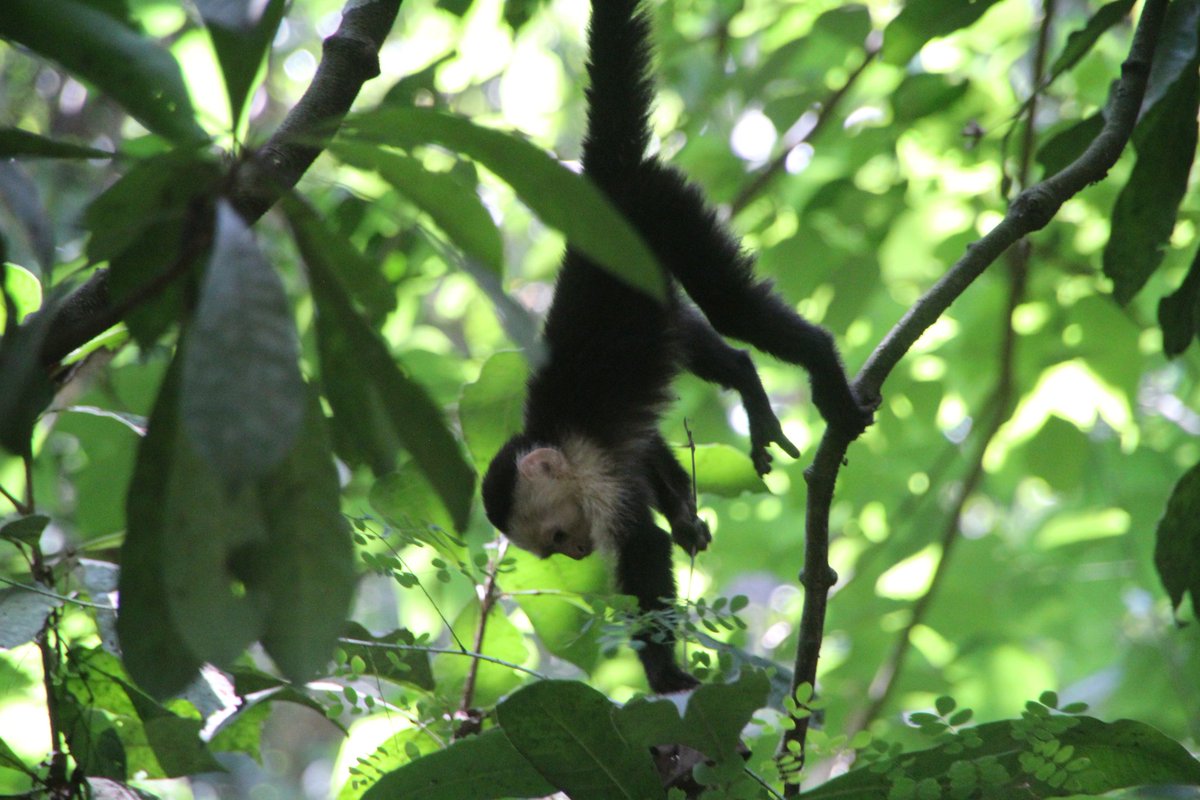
(613,351)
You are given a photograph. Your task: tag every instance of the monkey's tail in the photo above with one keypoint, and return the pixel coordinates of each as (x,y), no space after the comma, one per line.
(620,93)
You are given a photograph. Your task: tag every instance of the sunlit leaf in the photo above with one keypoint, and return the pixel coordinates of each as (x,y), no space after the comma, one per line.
(455,208)
(241,32)
(564,200)
(491,407)
(721,469)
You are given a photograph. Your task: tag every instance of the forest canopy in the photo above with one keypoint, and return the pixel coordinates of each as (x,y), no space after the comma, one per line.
(272,280)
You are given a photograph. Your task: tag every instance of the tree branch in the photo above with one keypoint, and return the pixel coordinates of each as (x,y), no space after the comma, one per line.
(1032,210)
(350,57)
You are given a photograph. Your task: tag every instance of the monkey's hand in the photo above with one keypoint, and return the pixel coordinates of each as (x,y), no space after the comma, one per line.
(765,429)
(691,534)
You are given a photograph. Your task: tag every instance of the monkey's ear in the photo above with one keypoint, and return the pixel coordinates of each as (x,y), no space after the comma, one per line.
(544,462)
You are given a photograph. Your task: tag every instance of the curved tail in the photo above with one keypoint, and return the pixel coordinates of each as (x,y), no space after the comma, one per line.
(620,93)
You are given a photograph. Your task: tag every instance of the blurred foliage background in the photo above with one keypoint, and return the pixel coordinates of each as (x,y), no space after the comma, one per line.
(1035,572)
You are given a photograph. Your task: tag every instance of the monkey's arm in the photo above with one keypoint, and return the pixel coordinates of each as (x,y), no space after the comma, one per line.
(673,497)
(709,357)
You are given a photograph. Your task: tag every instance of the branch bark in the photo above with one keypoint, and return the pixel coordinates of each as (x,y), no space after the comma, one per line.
(350,57)
(1031,211)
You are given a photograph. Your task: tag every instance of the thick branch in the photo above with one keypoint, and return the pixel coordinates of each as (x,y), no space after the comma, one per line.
(1032,210)
(350,57)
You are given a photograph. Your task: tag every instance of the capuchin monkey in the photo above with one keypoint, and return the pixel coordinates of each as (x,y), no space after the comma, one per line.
(591,466)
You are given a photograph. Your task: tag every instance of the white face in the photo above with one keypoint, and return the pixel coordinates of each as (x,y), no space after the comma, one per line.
(547,517)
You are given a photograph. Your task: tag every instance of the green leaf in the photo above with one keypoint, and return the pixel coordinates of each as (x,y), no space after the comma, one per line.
(22,289)
(1081,41)
(25,387)
(242,393)
(376,405)
(1145,211)
(501,640)
(566,730)
(491,408)
(152,648)
(386,661)
(310,569)
(922,20)
(1179,313)
(455,208)
(128,67)
(925,93)
(26,530)
(361,278)
(483,767)
(15,143)
(722,470)
(241,32)
(1177,542)
(559,619)
(10,760)
(23,613)
(565,201)
(1068,144)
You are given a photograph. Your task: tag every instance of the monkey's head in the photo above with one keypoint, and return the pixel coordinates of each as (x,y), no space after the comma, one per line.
(531,492)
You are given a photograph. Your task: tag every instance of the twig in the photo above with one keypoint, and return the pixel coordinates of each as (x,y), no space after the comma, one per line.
(487,600)
(449,651)
(1032,210)
(350,57)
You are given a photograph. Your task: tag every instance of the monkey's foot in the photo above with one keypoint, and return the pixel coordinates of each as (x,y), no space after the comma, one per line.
(692,535)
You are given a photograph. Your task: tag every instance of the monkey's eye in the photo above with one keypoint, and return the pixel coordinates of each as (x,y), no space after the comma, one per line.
(560,538)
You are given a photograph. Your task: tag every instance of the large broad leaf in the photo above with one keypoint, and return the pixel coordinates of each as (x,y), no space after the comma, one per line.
(1144,215)
(241,32)
(565,201)
(310,567)
(501,640)
(1177,547)
(15,142)
(481,767)
(491,408)
(127,66)
(547,591)
(243,397)
(456,209)
(1179,313)
(153,650)
(922,20)
(566,730)
(377,407)
(722,469)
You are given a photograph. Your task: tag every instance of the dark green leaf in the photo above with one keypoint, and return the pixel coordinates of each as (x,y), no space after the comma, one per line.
(1081,41)
(376,405)
(455,208)
(483,767)
(566,730)
(922,20)
(925,93)
(15,142)
(1175,52)
(492,407)
(1177,546)
(130,68)
(152,647)
(1179,313)
(26,530)
(25,387)
(361,278)
(23,612)
(565,201)
(1144,214)
(241,32)
(387,661)
(310,573)
(20,195)
(1068,144)
(242,393)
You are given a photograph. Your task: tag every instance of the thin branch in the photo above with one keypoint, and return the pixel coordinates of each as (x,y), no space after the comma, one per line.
(350,57)
(1032,210)
(488,595)
(827,110)
(449,651)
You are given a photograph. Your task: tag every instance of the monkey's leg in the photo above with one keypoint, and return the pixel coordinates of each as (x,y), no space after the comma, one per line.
(709,357)
(644,571)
